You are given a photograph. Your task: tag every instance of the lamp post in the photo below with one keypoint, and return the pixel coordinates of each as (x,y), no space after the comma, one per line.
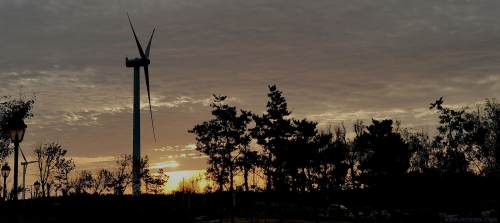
(36,185)
(17,130)
(5,174)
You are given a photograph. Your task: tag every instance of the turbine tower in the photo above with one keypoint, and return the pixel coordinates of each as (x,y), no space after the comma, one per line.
(136,154)
(25,165)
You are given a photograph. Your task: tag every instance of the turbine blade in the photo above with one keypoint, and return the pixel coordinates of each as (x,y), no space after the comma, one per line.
(23,154)
(149,44)
(149,99)
(136,40)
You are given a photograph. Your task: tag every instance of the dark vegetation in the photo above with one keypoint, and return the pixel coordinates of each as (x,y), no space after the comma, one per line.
(382,167)
(383,172)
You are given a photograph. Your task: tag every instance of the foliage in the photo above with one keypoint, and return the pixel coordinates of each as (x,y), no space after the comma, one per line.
(450,138)
(383,160)
(386,156)
(221,138)
(420,144)
(330,162)
(248,161)
(122,173)
(273,131)
(11,109)
(156,182)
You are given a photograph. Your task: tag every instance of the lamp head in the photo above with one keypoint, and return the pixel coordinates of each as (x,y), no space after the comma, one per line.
(36,185)
(17,129)
(5,170)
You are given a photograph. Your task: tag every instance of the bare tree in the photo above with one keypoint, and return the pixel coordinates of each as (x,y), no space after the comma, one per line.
(82,183)
(63,168)
(190,185)
(102,181)
(122,175)
(51,160)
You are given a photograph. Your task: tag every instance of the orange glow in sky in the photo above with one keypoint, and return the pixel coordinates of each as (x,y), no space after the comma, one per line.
(176,178)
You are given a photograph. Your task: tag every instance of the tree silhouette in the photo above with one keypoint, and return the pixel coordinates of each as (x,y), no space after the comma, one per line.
(102,181)
(122,174)
(273,131)
(82,183)
(421,145)
(354,154)
(449,141)
(11,109)
(330,162)
(247,161)
(221,138)
(386,155)
(62,170)
(156,182)
(51,163)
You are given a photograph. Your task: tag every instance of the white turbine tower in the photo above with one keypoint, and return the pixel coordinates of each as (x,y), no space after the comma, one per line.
(25,165)
(136,154)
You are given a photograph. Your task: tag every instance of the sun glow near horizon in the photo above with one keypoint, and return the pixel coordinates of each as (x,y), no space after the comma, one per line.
(175,177)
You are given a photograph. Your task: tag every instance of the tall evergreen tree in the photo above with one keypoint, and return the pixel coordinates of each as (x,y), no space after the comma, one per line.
(273,131)
(387,156)
(221,139)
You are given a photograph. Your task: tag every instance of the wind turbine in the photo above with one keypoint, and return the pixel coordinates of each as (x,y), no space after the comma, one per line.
(25,165)
(136,154)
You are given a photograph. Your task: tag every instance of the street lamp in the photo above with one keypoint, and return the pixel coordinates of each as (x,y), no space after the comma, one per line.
(37,187)
(17,130)
(5,174)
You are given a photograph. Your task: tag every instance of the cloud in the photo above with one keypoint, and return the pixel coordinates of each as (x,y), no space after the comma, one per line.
(165,164)
(334,61)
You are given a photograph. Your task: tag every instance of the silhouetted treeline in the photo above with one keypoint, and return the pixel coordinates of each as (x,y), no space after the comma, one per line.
(458,167)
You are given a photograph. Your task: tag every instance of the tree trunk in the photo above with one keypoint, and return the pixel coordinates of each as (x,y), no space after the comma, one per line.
(221,184)
(268,173)
(231,189)
(245,177)
(352,176)
(280,196)
(303,180)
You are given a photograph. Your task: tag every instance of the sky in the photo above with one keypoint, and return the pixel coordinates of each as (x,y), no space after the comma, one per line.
(335,61)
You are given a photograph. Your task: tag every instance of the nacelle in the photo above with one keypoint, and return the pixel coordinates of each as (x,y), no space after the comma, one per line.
(137,62)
